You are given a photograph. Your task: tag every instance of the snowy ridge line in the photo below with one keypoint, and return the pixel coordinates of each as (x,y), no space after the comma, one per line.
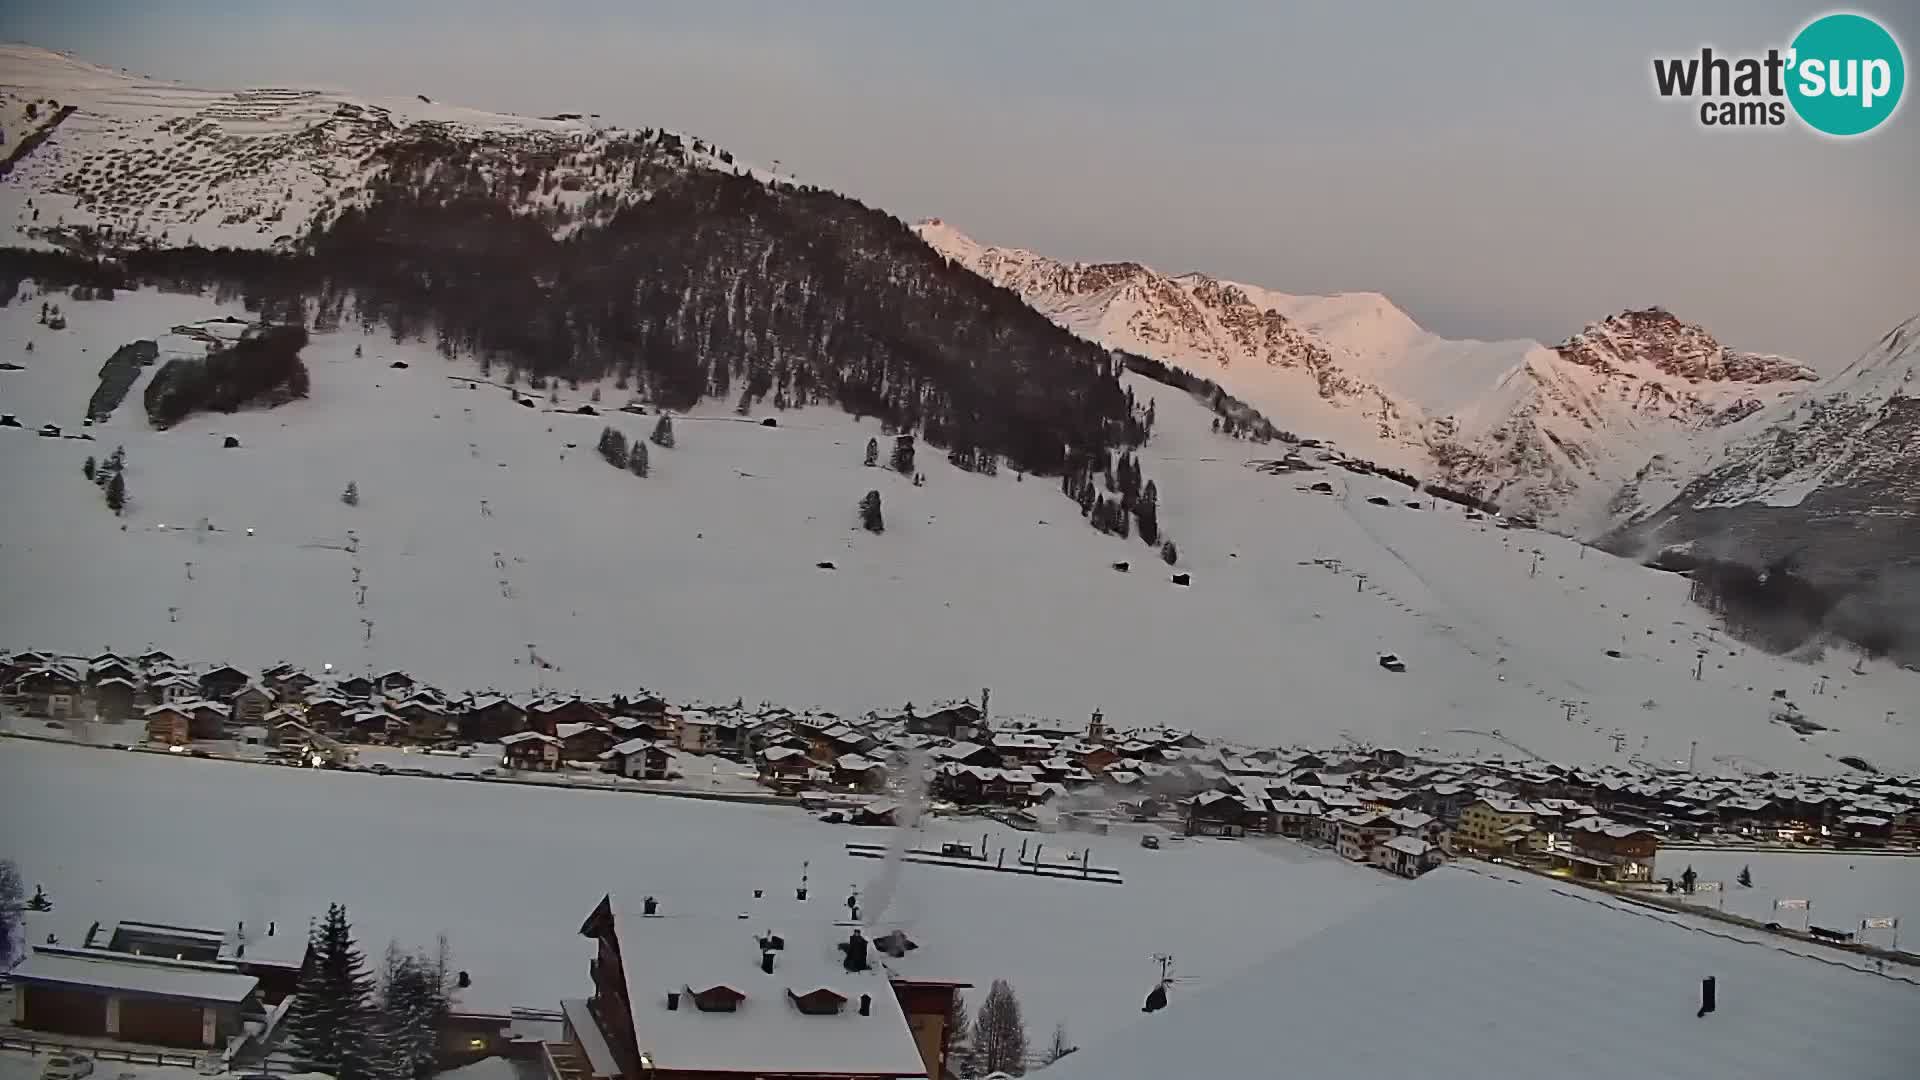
(1682,921)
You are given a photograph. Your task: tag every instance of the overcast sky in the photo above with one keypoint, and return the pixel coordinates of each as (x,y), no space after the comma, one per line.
(1498,169)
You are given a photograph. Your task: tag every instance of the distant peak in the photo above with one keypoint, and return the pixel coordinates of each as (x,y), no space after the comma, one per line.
(1657,337)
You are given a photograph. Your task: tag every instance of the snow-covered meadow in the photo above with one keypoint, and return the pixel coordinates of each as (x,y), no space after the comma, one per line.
(488,531)
(510,872)
(1844,887)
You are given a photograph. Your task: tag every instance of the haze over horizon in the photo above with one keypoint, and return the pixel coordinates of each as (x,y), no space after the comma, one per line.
(1508,173)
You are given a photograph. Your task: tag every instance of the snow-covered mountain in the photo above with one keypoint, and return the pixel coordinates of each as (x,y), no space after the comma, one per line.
(112,158)
(1831,478)
(1552,431)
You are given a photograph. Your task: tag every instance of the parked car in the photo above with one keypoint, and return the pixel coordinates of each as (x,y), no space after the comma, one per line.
(67,1067)
(1150,842)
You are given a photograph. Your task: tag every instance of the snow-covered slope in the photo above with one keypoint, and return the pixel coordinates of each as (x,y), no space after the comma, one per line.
(700,581)
(1555,432)
(132,160)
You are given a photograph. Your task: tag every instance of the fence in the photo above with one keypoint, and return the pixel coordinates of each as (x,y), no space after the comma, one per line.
(103,1053)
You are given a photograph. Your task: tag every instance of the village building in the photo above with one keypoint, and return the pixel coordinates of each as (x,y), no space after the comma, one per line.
(859,772)
(533,751)
(583,742)
(426,719)
(1359,832)
(109,666)
(1224,813)
(169,724)
(51,692)
(157,984)
(779,994)
(698,732)
(250,703)
(209,718)
(491,718)
(223,682)
(954,720)
(1604,850)
(1407,856)
(1494,825)
(113,699)
(356,687)
(639,759)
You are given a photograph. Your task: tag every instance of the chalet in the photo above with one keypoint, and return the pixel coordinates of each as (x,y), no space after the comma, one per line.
(698,732)
(113,699)
(289,682)
(328,713)
(1417,824)
(1445,800)
(639,759)
(285,729)
(374,726)
(51,692)
(583,742)
(209,718)
(1297,818)
(109,666)
(169,689)
(1872,830)
(547,716)
(251,702)
(1021,746)
(223,682)
(1407,856)
(491,719)
(394,682)
(534,751)
(966,753)
(153,658)
(1359,832)
(859,772)
(426,719)
(168,724)
(1608,850)
(955,720)
(794,996)
(784,768)
(358,687)
(1223,813)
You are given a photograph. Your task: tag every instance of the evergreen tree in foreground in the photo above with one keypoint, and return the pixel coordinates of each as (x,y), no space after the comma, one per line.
(637,458)
(333,1011)
(88,468)
(413,1004)
(999,1034)
(873,452)
(870,518)
(1746,877)
(1168,553)
(663,433)
(351,496)
(902,460)
(117,493)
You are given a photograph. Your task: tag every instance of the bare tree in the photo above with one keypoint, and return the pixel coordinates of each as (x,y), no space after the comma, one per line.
(10,905)
(1060,1047)
(999,1034)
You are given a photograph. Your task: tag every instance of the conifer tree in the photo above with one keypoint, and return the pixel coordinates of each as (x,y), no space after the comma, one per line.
(351,496)
(117,493)
(88,467)
(1168,553)
(873,452)
(902,460)
(870,518)
(1147,511)
(332,1015)
(663,432)
(637,459)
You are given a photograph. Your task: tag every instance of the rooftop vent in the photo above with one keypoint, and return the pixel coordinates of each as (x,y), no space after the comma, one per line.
(854,952)
(866,1004)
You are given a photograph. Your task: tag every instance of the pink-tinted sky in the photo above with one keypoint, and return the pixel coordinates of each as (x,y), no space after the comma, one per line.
(1498,169)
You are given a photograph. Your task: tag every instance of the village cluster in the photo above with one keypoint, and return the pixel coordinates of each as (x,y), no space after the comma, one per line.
(1374,805)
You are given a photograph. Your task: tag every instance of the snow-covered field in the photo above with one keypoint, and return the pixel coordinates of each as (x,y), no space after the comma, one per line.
(700,581)
(509,873)
(1844,887)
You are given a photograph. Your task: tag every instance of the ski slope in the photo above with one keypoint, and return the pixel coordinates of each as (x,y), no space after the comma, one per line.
(509,873)
(700,581)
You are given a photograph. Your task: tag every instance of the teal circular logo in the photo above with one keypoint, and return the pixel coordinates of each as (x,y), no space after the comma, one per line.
(1846,74)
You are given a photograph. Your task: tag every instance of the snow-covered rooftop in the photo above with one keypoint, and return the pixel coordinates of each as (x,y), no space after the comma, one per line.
(1567,985)
(766,1033)
(127,974)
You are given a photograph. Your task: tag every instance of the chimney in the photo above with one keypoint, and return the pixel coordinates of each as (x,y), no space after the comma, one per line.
(766,961)
(673,1001)
(649,906)
(866,1004)
(269,929)
(1706,997)
(758,894)
(855,950)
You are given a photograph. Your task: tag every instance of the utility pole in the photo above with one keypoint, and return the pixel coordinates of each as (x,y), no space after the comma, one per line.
(1700,665)
(1535,572)
(1570,706)
(1691,751)
(1360,583)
